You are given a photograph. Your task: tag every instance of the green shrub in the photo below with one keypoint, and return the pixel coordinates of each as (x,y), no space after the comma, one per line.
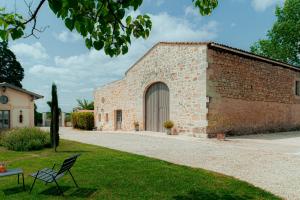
(168,124)
(25,139)
(83,120)
(1,136)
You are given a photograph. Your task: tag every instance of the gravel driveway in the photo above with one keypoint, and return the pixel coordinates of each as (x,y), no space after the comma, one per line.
(268,161)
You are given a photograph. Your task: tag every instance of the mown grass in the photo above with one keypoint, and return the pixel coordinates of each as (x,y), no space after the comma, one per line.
(108,174)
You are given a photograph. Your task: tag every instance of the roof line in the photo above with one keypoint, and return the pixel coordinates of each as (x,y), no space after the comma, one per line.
(211,44)
(168,43)
(134,64)
(252,55)
(108,84)
(223,47)
(141,58)
(37,96)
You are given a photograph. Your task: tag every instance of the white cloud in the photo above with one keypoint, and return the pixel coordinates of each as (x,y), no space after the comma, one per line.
(76,76)
(262,5)
(191,11)
(35,50)
(169,28)
(86,90)
(41,70)
(95,68)
(67,36)
(94,65)
(159,2)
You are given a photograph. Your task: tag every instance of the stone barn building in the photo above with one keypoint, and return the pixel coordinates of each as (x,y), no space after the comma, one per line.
(204,88)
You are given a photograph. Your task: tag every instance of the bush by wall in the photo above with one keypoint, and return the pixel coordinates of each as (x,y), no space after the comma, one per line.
(83,120)
(168,124)
(25,139)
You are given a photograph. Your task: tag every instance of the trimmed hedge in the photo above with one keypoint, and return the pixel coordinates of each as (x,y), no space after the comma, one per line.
(83,120)
(25,139)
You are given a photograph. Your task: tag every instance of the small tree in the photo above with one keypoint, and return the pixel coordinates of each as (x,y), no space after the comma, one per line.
(11,70)
(283,39)
(54,128)
(38,117)
(85,104)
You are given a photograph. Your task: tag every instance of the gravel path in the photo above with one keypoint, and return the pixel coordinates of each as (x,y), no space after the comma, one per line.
(271,162)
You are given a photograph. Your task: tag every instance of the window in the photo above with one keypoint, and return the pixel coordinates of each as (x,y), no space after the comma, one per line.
(297,88)
(21,117)
(4,119)
(106,117)
(119,119)
(99,117)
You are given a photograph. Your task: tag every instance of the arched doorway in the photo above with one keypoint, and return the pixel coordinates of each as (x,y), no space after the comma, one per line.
(157,106)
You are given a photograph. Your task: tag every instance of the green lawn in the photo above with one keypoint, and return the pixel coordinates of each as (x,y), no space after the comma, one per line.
(108,174)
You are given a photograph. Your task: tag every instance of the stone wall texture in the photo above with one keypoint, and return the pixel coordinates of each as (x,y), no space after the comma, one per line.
(250,96)
(181,67)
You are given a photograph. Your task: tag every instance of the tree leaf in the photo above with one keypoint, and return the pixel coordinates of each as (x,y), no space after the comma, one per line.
(98,45)
(69,24)
(88,43)
(128,20)
(124,49)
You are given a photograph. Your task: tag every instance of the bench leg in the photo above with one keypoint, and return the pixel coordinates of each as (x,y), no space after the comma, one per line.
(23,181)
(32,185)
(18,178)
(61,192)
(73,178)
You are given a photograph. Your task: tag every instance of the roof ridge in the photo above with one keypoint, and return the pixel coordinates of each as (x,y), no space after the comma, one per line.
(235,49)
(219,46)
(186,42)
(167,43)
(5,84)
(252,55)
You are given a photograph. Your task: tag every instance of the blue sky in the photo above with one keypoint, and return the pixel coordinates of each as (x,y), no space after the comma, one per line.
(60,56)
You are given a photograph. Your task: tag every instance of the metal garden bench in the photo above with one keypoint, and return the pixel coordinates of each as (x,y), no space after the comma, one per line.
(50,175)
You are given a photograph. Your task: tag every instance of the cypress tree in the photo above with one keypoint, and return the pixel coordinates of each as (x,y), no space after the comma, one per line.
(54,128)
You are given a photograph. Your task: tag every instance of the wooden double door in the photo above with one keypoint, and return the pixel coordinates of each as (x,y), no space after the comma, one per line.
(157,107)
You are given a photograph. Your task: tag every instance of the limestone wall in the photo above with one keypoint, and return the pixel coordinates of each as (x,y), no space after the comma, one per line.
(181,67)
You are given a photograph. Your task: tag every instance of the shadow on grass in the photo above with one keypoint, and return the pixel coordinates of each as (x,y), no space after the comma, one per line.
(72,151)
(75,192)
(208,195)
(53,191)
(83,192)
(14,190)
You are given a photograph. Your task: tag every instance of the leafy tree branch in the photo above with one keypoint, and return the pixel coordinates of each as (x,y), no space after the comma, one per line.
(103,24)
(11,70)
(283,40)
